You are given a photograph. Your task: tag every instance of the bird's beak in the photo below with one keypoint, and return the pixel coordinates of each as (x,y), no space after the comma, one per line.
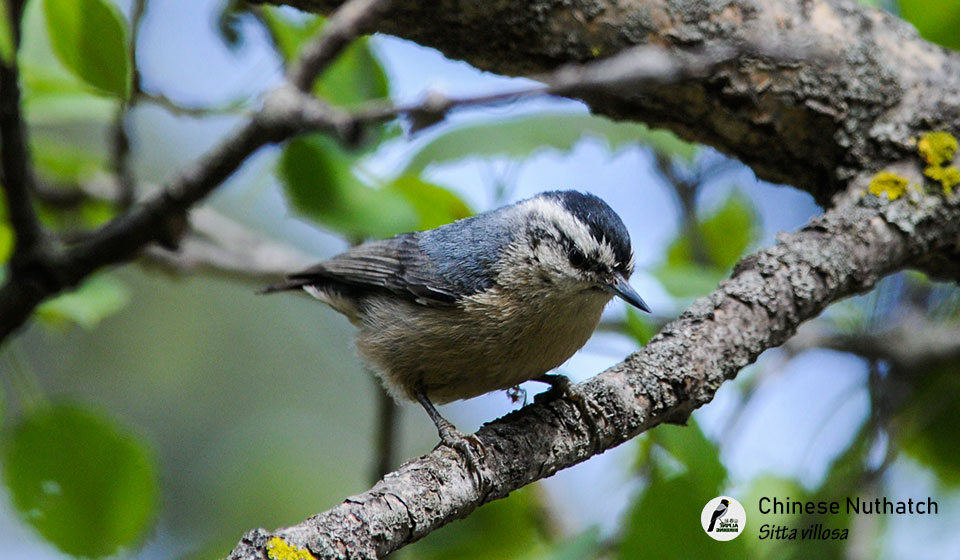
(622,288)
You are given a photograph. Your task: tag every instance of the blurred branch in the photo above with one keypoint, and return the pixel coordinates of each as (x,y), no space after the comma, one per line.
(843,252)
(18,177)
(160,218)
(686,191)
(120,138)
(912,344)
(388,418)
(219,245)
(352,19)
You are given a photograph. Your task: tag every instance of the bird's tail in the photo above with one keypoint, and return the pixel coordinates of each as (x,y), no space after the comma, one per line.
(712,523)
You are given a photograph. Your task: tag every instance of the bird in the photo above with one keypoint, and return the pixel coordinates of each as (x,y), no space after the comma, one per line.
(718,513)
(481,304)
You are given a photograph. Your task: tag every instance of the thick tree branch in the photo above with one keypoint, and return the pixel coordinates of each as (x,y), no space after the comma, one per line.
(843,252)
(814,124)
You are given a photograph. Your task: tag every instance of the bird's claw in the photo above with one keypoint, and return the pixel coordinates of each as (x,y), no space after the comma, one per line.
(465,444)
(561,386)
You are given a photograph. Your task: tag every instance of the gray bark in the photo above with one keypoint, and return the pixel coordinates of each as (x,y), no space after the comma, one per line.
(814,125)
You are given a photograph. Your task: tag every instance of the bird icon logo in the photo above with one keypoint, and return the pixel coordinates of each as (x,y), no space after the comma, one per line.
(723,518)
(718,513)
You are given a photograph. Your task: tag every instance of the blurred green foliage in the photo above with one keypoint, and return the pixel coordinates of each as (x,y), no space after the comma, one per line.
(90,37)
(703,254)
(95,299)
(936,20)
(526,136)
(928,423)
(683,472)
(84,483)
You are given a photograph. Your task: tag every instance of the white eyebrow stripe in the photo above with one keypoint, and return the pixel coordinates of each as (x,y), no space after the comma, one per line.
(554,212)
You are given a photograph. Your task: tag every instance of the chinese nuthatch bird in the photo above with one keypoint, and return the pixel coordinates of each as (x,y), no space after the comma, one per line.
(481,304)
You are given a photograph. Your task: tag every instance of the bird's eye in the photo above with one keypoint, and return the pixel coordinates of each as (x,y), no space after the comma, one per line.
(577,258)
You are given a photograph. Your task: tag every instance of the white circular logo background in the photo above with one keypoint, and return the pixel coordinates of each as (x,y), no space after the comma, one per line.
(730,518)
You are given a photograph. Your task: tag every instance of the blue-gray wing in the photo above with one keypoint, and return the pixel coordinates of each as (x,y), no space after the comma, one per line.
(395,265)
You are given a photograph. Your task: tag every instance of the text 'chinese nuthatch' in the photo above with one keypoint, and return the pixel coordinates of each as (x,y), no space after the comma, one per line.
(481,304)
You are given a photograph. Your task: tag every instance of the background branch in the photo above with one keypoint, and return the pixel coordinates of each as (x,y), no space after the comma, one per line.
(18,179)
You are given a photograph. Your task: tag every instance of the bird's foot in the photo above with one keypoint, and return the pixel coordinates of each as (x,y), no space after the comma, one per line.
(464,444)
(561,386)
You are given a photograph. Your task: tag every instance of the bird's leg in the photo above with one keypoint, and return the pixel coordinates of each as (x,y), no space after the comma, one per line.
(561,386)
(455,439)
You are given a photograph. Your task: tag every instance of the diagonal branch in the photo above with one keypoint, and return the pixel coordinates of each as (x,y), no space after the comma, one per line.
(843,252)
(351,20)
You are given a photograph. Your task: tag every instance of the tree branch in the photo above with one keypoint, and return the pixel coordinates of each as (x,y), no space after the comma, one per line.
(814,124)
(161,218)
(18,180)
(912,345)
(352,19)
(843,252)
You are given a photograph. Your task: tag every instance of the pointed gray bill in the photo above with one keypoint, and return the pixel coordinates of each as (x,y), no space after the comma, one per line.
(626,292)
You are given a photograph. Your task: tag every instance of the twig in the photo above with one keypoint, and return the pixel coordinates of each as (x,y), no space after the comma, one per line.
(388,416)
(18,179)
(352,19)
(120,138)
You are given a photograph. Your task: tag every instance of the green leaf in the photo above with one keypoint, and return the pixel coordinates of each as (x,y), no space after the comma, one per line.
(522,137)
(90,39)
(289,34)
(95,300)
(688,280)
(85,484)
(434,204)
(6,232)
(66,162)
(318,177)
(936,20)
(664,522)
(930,416)
(508,528)
(355,77)
(7,51)
(640,327)
(729,231)
(724,235)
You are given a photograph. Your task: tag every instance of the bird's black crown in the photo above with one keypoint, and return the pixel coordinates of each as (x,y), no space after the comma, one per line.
(602,221)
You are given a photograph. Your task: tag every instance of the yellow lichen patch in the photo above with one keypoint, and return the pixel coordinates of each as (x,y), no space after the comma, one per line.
(937,148)
(949,177)
(279,549)
(890,184)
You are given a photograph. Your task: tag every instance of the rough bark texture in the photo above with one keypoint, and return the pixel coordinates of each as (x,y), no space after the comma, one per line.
(814,125)
(843,252)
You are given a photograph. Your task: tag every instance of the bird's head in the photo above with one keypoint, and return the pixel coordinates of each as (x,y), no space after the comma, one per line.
(574,242)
